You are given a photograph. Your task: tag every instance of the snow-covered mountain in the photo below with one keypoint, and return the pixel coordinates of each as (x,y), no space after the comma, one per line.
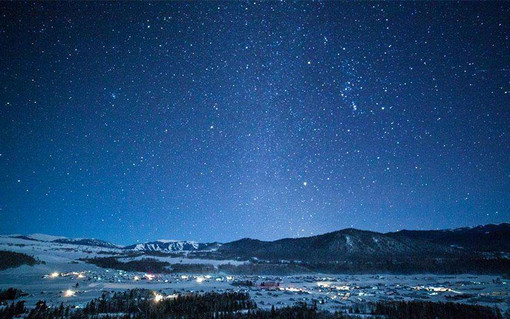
(163,245)
(37,237)
(65,240)
(346,244)
(86,242)
(352,244)
(339,245)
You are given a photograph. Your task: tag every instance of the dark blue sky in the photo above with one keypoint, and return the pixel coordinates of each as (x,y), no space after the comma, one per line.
(215,121)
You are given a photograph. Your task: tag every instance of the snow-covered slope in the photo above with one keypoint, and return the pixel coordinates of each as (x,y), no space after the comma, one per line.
(64,240)
(86,242)
(69,256)
(44,237)
(163,245)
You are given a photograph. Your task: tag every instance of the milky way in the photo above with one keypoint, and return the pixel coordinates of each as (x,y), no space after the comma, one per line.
(216,121)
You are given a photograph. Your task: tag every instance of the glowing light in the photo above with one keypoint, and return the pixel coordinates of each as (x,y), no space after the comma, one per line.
(78,274)
(323,284)
(54,275)
(342,287)
(183,277)
(305,183)
(435,290)
(149,276)
(200,279)
(136,278)
(157,297)
(69,293)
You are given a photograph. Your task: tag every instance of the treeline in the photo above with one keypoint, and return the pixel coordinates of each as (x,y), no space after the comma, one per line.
(371,266)
(140,304)
(10,259)
(11,294)
(144,265)
(13,310)
(433,310)
(414,265)
(150,265)
(143,304)
(400,265)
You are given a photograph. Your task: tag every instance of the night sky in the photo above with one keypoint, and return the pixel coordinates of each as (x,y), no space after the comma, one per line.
(216,121)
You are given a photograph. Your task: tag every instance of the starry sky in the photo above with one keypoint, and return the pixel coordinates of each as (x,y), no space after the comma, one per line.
(214,121)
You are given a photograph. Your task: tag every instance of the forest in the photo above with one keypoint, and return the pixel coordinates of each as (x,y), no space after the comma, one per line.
(286,268)
(141,304)
(10,259)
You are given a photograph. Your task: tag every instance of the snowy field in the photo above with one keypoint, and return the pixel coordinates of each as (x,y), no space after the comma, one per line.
(63,278)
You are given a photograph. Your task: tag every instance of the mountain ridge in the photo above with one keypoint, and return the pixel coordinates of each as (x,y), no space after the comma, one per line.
(340,243)
(170,246)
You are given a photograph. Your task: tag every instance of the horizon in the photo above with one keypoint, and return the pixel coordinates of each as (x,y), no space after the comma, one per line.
(252,238)
(221,120)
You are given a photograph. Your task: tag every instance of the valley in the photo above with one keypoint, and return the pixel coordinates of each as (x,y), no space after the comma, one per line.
(67,272)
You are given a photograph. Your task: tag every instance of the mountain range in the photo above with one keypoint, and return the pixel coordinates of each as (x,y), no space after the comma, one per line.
(338,245)
(163,245)
(354,243)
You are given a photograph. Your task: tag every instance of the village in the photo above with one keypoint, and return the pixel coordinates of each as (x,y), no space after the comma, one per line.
(329,292)
(62,276)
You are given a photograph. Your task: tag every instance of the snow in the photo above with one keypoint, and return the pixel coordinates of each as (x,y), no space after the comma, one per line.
(334,292)
(167,245)
(185,260)
(176,241)
(348,240)
(44,237)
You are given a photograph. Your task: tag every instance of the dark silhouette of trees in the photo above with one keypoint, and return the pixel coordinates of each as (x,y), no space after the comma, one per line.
(142,304)
(10,259)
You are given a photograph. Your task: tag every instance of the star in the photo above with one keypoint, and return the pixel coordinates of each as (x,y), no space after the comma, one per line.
(181,114)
